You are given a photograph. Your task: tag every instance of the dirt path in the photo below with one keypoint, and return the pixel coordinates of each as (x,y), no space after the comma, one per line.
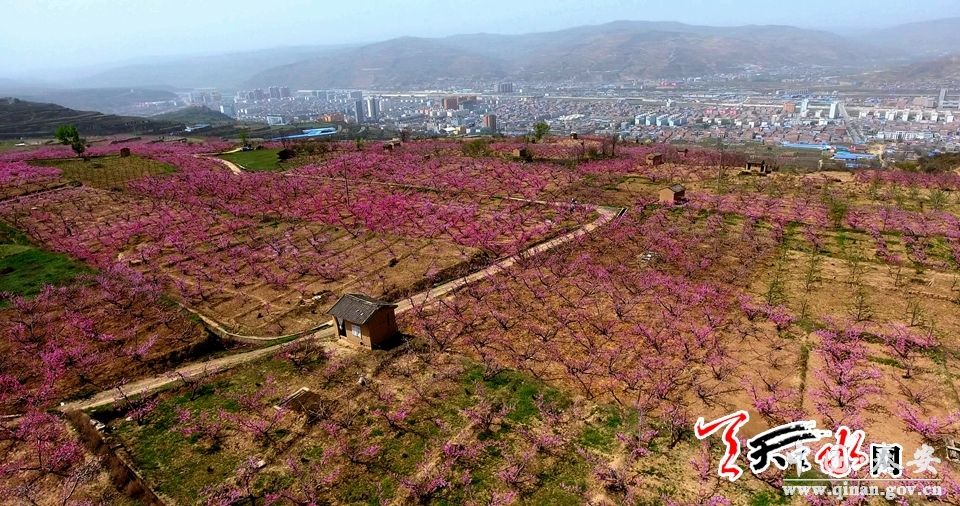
(158,382)
(228,164)
(606,215)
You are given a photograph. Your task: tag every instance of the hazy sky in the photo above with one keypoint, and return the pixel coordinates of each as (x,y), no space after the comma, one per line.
(72,33)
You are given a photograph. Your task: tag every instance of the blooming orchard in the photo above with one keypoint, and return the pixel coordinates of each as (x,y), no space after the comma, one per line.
(663,315)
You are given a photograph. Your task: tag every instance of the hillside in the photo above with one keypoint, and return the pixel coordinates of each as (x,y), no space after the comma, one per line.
(397,62)
(925,39)
(664,49)
(626,48)
(940,70)
(221,70)
(19,118)
(109,100)
(193,115)
(621,49)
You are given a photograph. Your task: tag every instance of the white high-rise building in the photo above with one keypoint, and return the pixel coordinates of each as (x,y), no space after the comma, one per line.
(833,110)
(373,109)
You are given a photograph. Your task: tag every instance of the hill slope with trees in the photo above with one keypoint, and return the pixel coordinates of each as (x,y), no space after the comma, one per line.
(19,118)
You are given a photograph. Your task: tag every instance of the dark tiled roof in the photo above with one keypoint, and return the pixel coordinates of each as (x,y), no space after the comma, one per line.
(677,188)
(357,308)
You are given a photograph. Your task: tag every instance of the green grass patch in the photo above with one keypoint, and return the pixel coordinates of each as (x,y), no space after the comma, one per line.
(886,361)
(107,172)
(9,250)
(25,269)
(181,466)
(260,160)
(27,272)
(520,391)
(601,435)
(174,464)
(10,235)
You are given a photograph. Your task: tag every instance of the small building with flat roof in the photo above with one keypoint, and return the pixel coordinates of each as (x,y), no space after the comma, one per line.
(673,194)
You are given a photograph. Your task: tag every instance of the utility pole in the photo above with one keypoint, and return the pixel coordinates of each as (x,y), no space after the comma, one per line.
(720,169)
(346,185)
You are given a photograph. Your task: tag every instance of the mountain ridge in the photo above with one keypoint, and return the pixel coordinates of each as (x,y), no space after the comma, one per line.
(630,49)
(945,70)
(927,39)
(674,50)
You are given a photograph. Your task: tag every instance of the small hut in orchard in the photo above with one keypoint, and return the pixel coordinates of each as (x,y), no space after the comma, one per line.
(759,166)
(523,154)
(673,194)
(363,320)
(655,159)
(124,152)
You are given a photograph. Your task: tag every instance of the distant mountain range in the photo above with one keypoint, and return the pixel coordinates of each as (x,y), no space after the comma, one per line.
(226,71)
(612,51)
(619,50)
(929,39)
(19,118)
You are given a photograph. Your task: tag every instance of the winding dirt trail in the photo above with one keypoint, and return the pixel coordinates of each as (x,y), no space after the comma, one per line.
(155,383)
(607,214)
(148,385)
(236,169)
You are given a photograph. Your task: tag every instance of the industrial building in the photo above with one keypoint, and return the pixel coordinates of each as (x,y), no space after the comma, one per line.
(948,101)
